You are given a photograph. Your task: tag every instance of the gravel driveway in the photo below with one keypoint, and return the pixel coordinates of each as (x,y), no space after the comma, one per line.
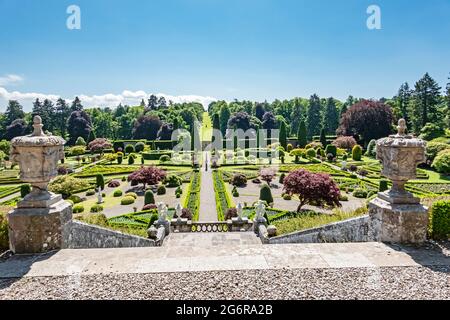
(350,283)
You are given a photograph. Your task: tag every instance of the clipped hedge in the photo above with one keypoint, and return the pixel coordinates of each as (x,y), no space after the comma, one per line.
(79,208)
(4,239)
(121,144)
(25,189)
(155,155)
(96,208)
(192,200)
(439,226)
(223,201)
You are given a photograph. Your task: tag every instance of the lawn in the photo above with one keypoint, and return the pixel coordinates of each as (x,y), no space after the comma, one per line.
(312,220)
(207,129)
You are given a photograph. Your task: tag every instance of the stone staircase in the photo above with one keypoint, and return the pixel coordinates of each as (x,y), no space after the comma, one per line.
(213,239)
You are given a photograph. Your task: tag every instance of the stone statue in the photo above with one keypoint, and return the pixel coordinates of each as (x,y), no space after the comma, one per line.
(239,209)
(260,209)
(162,211)
(178,211)
(99,196)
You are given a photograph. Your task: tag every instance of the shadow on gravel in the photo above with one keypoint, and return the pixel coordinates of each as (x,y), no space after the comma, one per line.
(14,267)
(432,255)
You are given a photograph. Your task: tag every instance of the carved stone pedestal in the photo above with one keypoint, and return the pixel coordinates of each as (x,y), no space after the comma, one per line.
(181,225)
(395,222)
(240,224)
(35,229)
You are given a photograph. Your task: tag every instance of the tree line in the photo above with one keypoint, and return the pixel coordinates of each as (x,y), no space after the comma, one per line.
(151,120)
(424,106)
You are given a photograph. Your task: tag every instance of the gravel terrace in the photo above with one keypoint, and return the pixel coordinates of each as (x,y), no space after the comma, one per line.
(349,283)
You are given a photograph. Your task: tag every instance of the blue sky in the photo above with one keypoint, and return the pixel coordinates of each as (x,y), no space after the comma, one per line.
(225,49)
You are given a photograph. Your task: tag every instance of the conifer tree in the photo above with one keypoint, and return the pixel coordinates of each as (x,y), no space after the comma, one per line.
(331,118)
(314,116)
(301,134)
(283,135)
(425,102)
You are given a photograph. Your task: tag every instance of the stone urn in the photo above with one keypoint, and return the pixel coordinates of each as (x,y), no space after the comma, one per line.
(37,155)
(400,154)
(42,218)
(396,215)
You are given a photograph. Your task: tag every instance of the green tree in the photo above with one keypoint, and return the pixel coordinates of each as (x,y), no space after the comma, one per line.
(283,135)
(402,101)
(314,118)
(13,111)
(37,110)
(323,138)
(76,105)
(216,121)
(424,103)
(259,111)
(125,129)
(347,104)
(224,117)
(48,109)
(331,118)
(79,125)
(103,124)
(447,109)
(152,103)
(62,112)
(301,134)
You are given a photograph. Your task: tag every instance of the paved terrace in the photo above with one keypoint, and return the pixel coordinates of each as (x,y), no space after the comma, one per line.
(210,254)
(231,266)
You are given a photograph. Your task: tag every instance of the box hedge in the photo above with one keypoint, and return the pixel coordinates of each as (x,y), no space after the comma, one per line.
(439,227)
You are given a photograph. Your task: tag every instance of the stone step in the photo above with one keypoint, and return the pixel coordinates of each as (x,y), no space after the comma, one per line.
(211,239)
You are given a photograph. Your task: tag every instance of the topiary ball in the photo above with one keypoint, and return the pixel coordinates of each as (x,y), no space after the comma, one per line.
(127,200)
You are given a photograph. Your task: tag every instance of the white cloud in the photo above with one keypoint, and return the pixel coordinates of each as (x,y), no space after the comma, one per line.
(106,100)
(10,79)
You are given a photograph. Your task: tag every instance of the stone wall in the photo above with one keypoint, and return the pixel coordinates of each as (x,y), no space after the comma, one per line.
(86,236)
(351,230)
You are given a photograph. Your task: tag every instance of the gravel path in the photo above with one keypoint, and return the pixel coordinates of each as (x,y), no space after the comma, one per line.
(354,283)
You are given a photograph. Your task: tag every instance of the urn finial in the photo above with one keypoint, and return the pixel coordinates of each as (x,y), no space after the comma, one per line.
(401,128)
(37,125)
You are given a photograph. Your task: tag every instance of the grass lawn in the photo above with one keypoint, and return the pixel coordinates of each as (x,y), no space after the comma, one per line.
(311,220)
(207,128)
(433,177)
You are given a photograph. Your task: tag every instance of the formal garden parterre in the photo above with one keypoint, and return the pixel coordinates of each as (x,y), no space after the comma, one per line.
(134,164)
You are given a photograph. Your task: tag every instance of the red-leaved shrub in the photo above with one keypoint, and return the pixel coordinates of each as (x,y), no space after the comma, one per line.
(150,206)
(147,175)
(231,213)
(312,188)
(114,184)
(344,142)
(99,144)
